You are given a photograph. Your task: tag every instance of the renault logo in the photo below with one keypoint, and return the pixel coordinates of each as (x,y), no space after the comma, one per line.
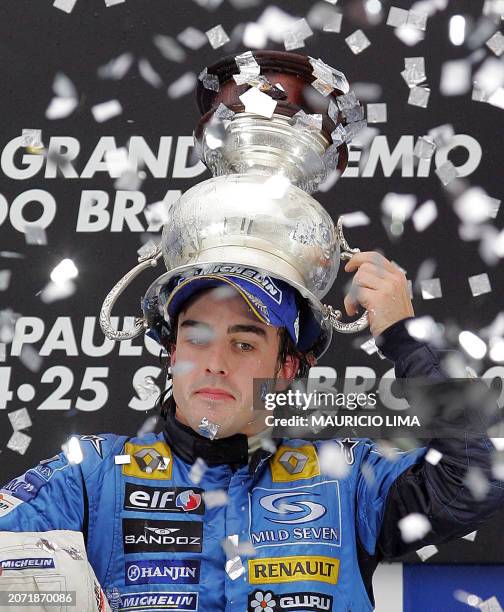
(149,460)
(293,462)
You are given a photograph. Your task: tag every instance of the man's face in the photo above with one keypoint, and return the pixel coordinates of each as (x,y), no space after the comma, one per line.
(221,347)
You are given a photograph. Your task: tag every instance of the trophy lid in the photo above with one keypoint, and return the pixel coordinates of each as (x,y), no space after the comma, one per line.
(295,74)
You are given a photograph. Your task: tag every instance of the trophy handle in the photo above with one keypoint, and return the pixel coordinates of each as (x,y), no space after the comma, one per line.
(329,312)
(146,261)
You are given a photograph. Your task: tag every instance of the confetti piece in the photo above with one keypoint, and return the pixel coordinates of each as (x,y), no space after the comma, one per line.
(397,17)
(377,113)
(356,219)
(65,5)
(476,481)
(19,442)
(479,284)
(332,460)
(254,36)
(73,451)
(419,96)
(5,276)
(427,552)
(116,68)
(20,419)
(192,38)
(197,471)
(210,81)
(496,44)
(148,73)
(433,456)
(455,78)
(169,48)
(476,348)
(183,85)
(446,172)
(414,527)
(32,138)
(113,2)
(217,36)
(475,206)
(122,459)
(431,288)
(214,499)
(147,389)
(470,536)
(357,42)
(64,271)
(106,110)
(259,103)
(59,108)
(57,291)
(424,216)
(35,234)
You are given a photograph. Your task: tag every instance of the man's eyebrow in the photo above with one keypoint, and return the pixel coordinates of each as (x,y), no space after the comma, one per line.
(233,329)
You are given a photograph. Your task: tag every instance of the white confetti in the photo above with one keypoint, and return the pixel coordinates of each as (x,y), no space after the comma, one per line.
(217,36)
(473,346)
(476,481)
(490,75)
(30,358)
(73,451)
(5,276)
(64,271)
(59,108)
(276,23)
(419,96)
(214,499)
(490,605)
(192,38)
(474,206)
(169,48)
(57,291)
(183,85)
(427,552)
(455,78)
(356,219)
(479,284)
(470,537)
(397,17)
(259,103)
(65,5)
(122,459)
(433,456)
(35,234)
(197,471)
(148,73)
(377,113)
(113,2)
(19,442)
(431,288)
(32,138)
(496,43)
(116,68)
(254,36)
(147,389)
(497,98)
(414,527)
(446,172)
(332,460)
(424,215)
(20,419)
(63,87)
(106,110)
(357,42)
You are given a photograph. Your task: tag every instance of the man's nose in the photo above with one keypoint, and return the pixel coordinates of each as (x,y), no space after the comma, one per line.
(216,359)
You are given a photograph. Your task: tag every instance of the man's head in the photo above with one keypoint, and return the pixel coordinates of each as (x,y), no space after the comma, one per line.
(220,343)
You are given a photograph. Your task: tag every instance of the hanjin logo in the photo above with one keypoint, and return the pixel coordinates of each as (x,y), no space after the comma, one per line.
(162,499)
(162,536)
(160,571)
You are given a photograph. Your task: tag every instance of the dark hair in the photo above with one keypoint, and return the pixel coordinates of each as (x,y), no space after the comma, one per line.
(286,349)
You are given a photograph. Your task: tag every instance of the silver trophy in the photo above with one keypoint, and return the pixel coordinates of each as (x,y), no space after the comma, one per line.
(275,129)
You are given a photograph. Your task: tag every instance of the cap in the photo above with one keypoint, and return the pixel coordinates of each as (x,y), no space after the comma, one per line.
(271,300)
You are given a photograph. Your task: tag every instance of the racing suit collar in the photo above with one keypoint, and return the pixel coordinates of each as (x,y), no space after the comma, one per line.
(189,445)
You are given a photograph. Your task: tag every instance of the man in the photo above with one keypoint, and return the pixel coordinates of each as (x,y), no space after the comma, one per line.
(174,515)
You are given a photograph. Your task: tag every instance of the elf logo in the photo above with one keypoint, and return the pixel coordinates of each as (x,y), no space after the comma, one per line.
(163,499)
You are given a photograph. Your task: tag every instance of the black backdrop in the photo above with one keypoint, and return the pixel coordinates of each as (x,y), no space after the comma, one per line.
(37,41)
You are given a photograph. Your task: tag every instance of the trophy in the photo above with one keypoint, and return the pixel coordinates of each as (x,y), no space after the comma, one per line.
(274,126)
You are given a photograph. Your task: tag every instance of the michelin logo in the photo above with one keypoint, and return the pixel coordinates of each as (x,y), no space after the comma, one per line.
(151,600)
(31,562)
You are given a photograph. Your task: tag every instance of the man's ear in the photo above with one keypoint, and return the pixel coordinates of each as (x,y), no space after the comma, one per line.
(289,368)
(173,354)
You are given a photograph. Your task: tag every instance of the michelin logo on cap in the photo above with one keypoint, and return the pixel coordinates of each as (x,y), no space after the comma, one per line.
(263,282)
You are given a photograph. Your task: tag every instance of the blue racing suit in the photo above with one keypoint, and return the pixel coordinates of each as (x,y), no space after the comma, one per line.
(156,542)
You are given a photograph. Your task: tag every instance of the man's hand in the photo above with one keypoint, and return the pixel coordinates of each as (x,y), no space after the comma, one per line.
(381,288)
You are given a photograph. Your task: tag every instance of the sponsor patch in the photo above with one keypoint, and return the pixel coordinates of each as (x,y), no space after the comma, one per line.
(162,499)
(163,571)
(8,503)
(296,602)
(309,514)
(293,569)
(141,535)
(290,463)
(155,600)
(151,461)
(27,563)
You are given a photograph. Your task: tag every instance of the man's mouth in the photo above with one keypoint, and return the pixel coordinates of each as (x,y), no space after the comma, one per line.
(214,393)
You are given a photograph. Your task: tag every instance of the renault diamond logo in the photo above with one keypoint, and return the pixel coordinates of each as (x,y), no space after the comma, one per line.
(293,462)
(149,460)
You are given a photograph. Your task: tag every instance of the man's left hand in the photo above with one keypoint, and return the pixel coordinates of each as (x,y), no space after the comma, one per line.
(381,288)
